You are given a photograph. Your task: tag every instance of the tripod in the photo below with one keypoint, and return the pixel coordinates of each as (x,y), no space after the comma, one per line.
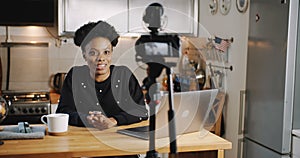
(154,91)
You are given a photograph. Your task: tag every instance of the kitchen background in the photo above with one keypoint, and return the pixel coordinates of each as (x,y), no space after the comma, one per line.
(32,66)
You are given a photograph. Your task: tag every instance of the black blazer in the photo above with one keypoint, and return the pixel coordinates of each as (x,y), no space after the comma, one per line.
(120,96)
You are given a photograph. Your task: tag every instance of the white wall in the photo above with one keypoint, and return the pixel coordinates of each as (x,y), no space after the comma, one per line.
(234,24)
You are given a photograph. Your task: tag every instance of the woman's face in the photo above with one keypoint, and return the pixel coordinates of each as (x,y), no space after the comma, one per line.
(98,54)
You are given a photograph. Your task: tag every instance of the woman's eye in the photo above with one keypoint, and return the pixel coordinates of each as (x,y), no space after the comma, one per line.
(106,52)
(92,53)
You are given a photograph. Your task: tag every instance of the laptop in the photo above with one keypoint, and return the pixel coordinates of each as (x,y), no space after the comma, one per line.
(191,108)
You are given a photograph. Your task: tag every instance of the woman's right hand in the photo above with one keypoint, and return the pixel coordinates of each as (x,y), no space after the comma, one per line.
(100,121)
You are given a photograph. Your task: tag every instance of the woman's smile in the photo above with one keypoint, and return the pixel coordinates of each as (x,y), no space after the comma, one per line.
(101,66)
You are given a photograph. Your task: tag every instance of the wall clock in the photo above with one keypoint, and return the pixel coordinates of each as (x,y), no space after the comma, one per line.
(225,6)
(213,6)
(242,5)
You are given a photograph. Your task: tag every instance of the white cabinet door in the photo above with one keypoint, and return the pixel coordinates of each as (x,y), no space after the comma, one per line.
(181,16)
(126,15)
(75,13)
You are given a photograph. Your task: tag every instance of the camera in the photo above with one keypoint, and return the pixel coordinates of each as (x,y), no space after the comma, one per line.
(161,49)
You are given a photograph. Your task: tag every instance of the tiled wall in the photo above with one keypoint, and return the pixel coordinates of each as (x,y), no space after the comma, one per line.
(32,67)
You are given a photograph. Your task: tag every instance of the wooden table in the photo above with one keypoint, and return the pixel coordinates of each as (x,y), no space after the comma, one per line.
(82,142)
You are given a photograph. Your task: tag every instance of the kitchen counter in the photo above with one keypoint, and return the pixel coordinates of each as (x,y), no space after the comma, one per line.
(81,142)
(54,97)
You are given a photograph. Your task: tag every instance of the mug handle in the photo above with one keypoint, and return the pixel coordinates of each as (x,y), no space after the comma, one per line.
(42,119)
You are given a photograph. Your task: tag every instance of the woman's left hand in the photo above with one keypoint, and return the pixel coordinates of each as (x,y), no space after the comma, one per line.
(100,121)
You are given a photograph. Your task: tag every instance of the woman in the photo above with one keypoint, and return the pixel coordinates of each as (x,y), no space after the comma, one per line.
(100,94)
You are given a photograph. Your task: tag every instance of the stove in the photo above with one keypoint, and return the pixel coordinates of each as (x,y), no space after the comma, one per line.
(26,106)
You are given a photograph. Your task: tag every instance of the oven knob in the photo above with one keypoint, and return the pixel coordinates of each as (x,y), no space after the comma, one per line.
(13,110)
(37,110)
(25,110)
(44,110)
(31,110)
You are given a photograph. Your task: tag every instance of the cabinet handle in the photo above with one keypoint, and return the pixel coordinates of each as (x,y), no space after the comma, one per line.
(242,112)
(240,148)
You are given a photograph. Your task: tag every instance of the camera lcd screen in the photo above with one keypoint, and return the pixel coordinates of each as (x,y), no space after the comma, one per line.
(157,48)
(162,49)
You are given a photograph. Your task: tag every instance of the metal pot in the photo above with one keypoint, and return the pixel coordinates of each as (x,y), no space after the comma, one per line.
(57,80)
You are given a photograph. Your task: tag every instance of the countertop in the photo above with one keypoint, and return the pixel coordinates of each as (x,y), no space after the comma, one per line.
(81,142)
(54,97)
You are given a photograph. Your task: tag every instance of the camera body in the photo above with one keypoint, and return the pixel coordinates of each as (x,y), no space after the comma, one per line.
(158,48)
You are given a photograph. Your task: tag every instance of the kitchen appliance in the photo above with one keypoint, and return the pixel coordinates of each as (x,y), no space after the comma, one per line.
(57,81)
(3,112)
(26,106)
(3,109)
(296,143)
(270,98)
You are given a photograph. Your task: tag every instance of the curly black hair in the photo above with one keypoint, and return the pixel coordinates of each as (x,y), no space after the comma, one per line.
(88,31)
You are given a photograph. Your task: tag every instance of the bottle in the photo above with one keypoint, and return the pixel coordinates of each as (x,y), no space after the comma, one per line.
(187,77)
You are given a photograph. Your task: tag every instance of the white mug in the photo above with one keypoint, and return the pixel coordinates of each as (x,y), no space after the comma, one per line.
(57,123)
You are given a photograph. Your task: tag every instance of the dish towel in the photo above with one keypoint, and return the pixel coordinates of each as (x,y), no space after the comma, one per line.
(12,132)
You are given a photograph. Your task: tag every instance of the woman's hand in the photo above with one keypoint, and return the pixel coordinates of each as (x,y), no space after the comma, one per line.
(98,120)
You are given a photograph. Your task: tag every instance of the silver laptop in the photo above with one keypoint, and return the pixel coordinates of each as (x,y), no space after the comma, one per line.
(191,108)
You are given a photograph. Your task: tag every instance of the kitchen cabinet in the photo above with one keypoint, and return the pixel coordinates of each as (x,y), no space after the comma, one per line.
(126,15)
(74,13)
(180,16)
